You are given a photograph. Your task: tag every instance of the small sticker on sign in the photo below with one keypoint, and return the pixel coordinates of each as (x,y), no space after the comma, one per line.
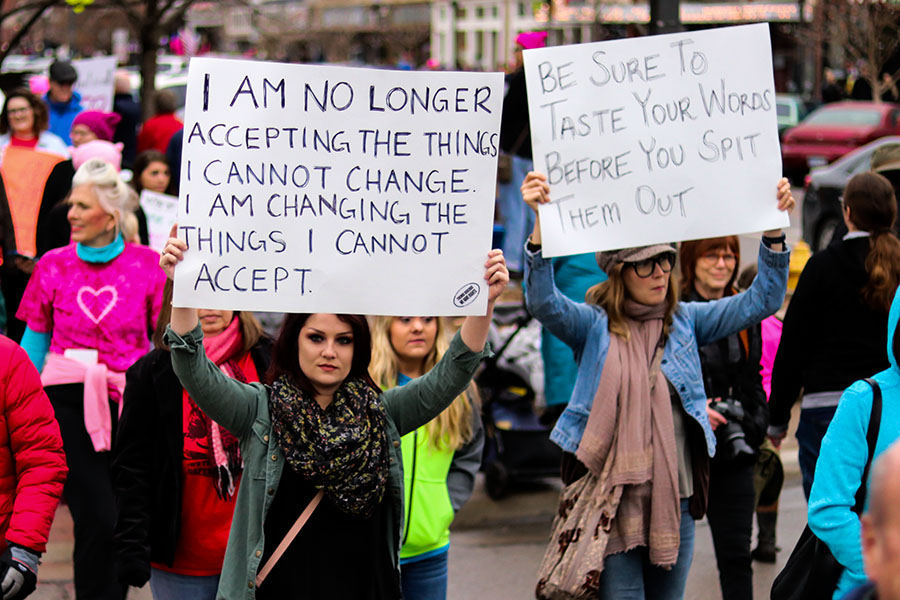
(466,295)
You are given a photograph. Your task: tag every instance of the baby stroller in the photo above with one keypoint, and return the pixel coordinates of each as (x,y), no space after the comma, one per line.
(517,446)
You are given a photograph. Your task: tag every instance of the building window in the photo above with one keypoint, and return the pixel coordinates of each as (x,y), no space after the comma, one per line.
(460,13)
(479,12)
(522,9)
(495,11)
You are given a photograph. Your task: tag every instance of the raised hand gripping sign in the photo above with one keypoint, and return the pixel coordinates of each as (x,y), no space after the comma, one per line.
(335,189)
(655,139)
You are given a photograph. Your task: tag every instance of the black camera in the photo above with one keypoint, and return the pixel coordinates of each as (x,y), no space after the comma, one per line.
(731,441)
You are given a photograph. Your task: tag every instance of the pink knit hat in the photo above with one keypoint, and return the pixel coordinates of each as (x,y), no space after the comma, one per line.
(109,152)
(532,39)
(103,124)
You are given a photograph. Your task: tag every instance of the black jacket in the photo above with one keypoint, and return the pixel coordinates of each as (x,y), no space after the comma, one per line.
(731,369)
(515,136)
(146,469)
(831,337)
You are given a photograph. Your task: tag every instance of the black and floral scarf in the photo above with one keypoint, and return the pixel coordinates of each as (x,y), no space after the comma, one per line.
(341,449)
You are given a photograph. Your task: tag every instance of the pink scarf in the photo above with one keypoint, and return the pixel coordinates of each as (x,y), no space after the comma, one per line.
(100,384)
(629,443)
(225,351)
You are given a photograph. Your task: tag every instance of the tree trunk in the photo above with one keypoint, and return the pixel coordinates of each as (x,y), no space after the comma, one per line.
(149,40)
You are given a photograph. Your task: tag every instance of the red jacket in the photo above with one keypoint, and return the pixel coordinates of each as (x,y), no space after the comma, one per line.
(32,462)
(156,133)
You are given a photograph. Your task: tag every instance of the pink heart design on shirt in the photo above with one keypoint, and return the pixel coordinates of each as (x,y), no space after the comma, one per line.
(106,289)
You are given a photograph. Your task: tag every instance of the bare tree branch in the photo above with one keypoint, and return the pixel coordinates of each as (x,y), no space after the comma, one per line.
(39,9)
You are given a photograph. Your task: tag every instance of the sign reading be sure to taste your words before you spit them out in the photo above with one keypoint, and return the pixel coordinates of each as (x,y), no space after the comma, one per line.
(655,139)
(336,189)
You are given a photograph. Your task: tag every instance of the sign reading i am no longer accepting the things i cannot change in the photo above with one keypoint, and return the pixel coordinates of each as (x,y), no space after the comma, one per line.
(335,189)
(655,139)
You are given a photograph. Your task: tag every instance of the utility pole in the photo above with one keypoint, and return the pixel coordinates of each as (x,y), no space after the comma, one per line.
(665,16)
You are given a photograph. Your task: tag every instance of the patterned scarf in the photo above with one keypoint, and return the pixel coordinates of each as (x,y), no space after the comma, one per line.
(341,449)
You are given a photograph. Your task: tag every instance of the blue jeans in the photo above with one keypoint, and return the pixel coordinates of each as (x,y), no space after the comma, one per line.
(425,579)
(517,218)
(173,586)
(810,431)
(631,576)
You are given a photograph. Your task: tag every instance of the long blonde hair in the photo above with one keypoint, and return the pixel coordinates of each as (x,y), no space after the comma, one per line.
(453,427)
(610,296)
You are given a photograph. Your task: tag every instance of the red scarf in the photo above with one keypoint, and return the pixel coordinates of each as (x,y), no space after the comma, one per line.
(225,350)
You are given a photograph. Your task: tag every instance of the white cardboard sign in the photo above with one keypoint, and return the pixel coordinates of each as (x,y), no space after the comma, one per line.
(161,211)
(335,189)
(655,139)
(96,79)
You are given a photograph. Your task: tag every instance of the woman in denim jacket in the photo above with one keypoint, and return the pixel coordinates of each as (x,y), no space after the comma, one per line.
(637,419)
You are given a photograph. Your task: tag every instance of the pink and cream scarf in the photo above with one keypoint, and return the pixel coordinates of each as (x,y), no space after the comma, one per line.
(629,443)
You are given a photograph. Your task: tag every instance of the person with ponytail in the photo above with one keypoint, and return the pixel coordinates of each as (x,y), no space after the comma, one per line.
(835,329)
(440,459)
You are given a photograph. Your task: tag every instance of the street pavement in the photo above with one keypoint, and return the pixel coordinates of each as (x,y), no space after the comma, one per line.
(497,545)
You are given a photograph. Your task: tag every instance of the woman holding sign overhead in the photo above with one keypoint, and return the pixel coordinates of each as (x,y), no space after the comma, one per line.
(320,506)
(635,435)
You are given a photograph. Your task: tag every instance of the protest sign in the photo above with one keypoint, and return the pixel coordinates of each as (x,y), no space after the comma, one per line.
(161,211)
(96,77)
(335,189)
(655,139)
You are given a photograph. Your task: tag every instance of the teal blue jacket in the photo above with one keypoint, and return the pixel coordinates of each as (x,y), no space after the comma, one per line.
(243,409)
(843,456)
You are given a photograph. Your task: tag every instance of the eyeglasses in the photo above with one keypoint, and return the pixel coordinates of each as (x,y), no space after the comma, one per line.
(715,257)
(644,268)
(19,111)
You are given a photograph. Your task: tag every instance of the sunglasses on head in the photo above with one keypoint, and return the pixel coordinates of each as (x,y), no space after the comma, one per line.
(644,268)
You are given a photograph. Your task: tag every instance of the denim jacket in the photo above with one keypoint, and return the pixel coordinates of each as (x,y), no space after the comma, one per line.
(585,329)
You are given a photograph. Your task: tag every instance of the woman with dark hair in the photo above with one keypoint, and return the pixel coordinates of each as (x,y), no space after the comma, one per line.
(151,172)
(636,436)
(175,471)
(23,124)
(737,411)
(835,328)
(35,174)
(321,440)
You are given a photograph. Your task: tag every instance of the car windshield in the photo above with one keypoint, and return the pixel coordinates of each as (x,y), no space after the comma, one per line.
(783,110)
(845,116)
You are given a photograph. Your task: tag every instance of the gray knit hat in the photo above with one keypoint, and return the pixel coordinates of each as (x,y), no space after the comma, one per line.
(611,258)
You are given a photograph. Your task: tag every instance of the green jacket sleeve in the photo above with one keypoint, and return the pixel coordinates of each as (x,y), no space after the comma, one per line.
(230,403)
(422,399)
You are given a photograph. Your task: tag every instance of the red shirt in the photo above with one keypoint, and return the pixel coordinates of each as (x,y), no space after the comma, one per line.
(157,131)
(205,517)
(23,143)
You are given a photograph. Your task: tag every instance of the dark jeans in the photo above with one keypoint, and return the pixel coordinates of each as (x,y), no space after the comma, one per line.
(810,431)
(730,515)
(90,498)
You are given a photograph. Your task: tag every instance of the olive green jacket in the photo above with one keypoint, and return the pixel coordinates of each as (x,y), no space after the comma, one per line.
(243,409)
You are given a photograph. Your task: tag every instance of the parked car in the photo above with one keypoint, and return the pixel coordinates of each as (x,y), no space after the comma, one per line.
(823,189)
(790,109)
(833,130)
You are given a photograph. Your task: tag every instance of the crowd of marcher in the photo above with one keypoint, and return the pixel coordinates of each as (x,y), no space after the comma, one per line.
(199,454)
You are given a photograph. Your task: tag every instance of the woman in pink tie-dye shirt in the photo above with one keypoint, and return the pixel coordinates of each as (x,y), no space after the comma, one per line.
(90,309)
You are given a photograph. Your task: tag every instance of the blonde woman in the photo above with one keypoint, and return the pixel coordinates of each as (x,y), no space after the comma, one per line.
(440,458)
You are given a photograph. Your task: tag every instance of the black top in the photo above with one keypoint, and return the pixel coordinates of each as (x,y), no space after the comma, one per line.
(514,120)
(731,369)
(335,555)
(831,337)
(129,109)
(146,463)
